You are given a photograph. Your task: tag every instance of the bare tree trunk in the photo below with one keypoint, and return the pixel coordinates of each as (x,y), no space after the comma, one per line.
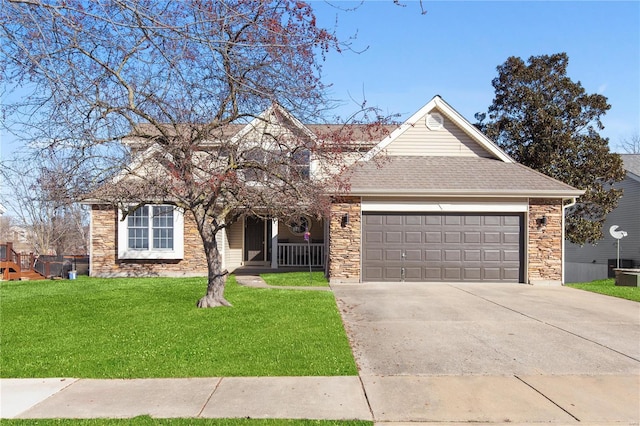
(217,278)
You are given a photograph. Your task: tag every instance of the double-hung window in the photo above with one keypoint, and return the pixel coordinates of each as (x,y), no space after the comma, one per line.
(152,232)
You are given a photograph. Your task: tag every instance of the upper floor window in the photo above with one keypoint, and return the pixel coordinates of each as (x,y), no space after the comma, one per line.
(301,160)
(260,164)
(152,232)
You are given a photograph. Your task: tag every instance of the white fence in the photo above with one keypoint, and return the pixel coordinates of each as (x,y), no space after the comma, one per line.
(300,254)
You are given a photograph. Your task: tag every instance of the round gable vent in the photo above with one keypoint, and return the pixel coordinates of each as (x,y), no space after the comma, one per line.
(435,121)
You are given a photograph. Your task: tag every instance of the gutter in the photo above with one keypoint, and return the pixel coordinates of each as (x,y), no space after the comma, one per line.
(463,193)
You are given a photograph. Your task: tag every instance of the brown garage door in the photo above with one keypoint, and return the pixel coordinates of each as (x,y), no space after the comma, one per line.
(443,247)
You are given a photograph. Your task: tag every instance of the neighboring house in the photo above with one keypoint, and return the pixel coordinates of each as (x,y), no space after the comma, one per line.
(593,262)
(445,205)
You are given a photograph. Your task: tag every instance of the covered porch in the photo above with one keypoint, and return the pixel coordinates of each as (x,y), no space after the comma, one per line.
(276,244)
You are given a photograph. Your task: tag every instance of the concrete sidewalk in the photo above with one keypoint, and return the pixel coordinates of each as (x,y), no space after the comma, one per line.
(233,397)
(557,400)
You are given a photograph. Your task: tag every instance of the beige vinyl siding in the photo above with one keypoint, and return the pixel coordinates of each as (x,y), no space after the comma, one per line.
(449,141)
(233,246)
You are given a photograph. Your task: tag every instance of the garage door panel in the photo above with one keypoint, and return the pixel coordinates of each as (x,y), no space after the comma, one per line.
(452,237)
(511,237)
(393,237)
(453,220)
(393,220)
(491,256)
(472,237)
(510,256)
(492,220)
(373,220)
(413,237)
(473,220)
(442,247)
(373,237)
(511,221)
(393,255)
(473,274)
(433,255)
(472,255)
(392,273)
(373,254)
(511,274)
(413,274)
(452,255)
(413,255)
(452,274)
(413,220)
(492,274)
(433,274)
(433,220)
(373,273)
(433,237)
(492,238)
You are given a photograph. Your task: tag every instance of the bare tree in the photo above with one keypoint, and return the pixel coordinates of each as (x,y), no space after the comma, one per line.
(631,145)
(174,78)
(37,189)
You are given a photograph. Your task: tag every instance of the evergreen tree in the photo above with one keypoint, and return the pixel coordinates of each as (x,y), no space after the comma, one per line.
(548,122)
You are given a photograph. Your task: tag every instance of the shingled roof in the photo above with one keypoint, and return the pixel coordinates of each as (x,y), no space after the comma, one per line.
(453,176)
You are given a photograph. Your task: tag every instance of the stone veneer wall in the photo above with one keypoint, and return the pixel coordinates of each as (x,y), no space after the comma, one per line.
(545,242)
(104,251)
(344,242)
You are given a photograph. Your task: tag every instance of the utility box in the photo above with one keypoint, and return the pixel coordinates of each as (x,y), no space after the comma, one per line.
(613,264)
(628,277)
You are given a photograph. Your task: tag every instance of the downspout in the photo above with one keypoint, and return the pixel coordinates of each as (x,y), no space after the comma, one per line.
(571,204)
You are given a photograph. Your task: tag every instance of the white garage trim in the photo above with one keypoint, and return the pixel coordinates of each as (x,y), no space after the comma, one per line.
(448,207)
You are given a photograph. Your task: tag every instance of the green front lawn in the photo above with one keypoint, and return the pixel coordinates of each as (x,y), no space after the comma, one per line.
(296,279)
(150,327)
(609,288)
(148,421)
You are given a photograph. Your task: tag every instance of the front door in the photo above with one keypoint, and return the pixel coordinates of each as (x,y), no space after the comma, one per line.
(254,238)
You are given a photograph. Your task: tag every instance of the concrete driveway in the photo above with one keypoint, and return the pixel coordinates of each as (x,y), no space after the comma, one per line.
(494,352)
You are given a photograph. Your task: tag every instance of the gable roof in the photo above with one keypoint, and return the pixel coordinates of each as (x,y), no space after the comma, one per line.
(454,176)
(264,119)
(437,103)
(494,175)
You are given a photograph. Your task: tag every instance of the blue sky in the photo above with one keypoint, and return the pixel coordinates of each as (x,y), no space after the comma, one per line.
(454,49)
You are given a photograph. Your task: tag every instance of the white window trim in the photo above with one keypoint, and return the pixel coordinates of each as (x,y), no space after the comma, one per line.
(178,241)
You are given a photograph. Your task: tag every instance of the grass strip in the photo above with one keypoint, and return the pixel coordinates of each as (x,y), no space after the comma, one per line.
(150,327)
(296,279)
(610,288)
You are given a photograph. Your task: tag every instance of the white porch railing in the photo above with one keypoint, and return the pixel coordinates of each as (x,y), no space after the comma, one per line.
(299,254)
